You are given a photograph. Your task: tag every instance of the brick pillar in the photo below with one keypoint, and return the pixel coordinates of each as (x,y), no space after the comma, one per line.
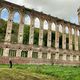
(8,33)
(41,33)
(64,57)
(57,37)
(30,54)
(40,55)
(40,38)
(20,34)
(9,28)
(31,34)
(49,40)
(21,28)
(5,52)
(77,57)
(71,57)
(49,55)
(49,35)
(76,40)
(56,56)
(18,53)
(64,38)
(70,38)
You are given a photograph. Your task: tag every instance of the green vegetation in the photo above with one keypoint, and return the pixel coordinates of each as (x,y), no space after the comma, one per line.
(36,36)
(3,25)
(39,72)
(53,39)
(14,35)
(26,35)
(45,37)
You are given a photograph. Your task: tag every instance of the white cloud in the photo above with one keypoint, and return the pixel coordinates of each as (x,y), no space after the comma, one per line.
(20,2)
(65,9)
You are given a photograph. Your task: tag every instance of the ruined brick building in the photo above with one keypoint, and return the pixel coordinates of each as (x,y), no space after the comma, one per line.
(31,54)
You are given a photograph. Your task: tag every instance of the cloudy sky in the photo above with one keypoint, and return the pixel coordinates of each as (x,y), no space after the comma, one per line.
(64,9)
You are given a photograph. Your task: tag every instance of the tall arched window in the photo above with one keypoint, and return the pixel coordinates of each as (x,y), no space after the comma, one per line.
(27,21)
(67,37)
(15,28)
(45,33)
(36,30)
(3,23)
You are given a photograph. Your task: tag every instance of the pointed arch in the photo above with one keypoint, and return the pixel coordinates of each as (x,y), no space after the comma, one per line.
(60,28)
(53,27)
(37,23)
(27,20)
(4,14)
(45,24)
(66,30)
(16,17)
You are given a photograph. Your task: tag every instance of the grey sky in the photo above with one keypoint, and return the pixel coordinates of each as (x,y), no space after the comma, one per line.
(64,9)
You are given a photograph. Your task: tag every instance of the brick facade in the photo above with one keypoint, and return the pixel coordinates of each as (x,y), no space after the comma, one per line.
(61,56)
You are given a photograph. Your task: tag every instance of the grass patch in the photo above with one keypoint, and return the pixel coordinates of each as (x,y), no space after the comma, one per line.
(41,72)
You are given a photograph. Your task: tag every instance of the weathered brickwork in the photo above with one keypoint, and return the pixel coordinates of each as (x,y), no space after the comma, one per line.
(51,55)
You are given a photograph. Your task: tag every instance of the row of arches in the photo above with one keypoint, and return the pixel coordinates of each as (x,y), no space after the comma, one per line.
(16,18)
(27,21)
